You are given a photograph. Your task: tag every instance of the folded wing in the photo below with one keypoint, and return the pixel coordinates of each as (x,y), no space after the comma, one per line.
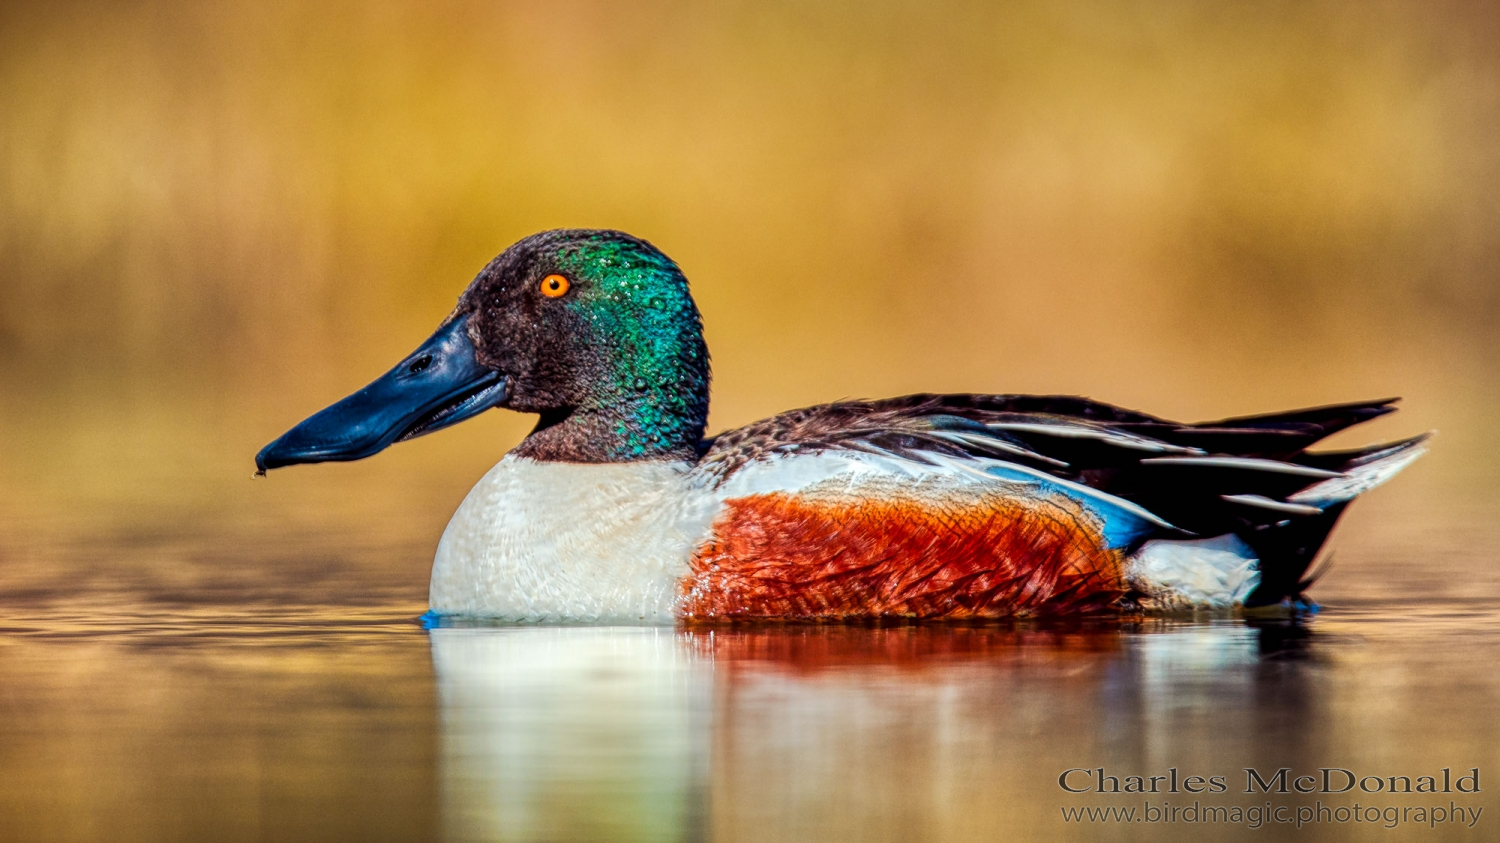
(1144,476)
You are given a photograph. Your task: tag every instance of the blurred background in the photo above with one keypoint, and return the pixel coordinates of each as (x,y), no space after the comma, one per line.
(217,218)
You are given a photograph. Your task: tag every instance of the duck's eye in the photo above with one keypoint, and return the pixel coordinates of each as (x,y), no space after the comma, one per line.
(555,286)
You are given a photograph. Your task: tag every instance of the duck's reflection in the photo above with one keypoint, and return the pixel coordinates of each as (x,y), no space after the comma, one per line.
(829,732)
(571,733)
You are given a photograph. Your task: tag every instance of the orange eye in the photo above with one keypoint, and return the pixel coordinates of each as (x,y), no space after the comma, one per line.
(554,286)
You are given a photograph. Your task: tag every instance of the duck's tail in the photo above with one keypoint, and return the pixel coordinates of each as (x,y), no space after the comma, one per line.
(1264,558)
(1287,547)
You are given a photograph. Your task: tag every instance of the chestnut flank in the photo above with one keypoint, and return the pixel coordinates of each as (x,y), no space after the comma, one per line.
(781,556)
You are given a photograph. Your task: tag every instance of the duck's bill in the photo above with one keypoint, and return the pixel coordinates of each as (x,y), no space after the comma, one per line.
(438,385)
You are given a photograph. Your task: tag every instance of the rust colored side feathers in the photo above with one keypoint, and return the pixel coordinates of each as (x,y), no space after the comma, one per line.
(980,556)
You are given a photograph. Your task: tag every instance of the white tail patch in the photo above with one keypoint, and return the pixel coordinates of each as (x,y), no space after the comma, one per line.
(1215,573)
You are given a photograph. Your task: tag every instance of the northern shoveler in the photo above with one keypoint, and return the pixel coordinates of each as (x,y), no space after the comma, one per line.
(616,508)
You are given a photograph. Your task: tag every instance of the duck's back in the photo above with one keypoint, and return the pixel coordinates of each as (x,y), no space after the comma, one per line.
(955,506)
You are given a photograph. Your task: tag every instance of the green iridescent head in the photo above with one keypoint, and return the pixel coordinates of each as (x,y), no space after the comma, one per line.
(596,331)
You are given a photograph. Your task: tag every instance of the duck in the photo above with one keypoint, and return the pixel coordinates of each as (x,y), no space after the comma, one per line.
(617,508)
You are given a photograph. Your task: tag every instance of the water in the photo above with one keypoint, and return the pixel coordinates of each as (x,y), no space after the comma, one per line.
(191,706)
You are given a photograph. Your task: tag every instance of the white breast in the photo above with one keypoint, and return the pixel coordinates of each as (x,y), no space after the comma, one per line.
(565,542)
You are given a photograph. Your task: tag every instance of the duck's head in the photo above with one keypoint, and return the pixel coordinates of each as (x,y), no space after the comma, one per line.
(594,330)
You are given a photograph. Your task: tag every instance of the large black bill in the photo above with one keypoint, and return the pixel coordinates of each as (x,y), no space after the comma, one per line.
(440,384)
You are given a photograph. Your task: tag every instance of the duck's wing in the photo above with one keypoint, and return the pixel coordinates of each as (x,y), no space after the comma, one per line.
(1067,436)
(1250,476)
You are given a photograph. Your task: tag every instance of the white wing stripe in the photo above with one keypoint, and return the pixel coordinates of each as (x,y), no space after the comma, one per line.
(1114,437)
(1263,502)
(1250,463)
(988,444)
(1360,479)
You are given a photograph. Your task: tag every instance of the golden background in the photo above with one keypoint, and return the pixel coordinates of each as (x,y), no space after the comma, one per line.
(217,218)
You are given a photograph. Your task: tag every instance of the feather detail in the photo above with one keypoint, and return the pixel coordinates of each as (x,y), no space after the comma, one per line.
(1363,476)
(979,555)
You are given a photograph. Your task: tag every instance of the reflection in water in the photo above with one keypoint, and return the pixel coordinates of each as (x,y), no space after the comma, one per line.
(332,723)
(570,733)
(871,733)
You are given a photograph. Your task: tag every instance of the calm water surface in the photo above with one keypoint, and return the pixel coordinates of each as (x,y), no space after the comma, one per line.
(193,708)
